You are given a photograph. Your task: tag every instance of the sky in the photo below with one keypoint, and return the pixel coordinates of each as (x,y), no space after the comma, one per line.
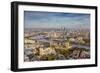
(36,19)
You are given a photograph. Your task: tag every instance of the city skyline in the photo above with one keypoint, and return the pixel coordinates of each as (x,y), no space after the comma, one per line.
(36,19)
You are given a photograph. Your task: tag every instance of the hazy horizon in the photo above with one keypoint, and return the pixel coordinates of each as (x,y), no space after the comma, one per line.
(49,20)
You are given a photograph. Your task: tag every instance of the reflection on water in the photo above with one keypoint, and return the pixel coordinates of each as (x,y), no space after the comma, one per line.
(43,38)
(80,46)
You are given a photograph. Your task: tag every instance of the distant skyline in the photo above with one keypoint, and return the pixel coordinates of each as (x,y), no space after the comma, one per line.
(36,19)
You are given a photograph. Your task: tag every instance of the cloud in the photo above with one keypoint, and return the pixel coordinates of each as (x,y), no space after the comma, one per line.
(55,20)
